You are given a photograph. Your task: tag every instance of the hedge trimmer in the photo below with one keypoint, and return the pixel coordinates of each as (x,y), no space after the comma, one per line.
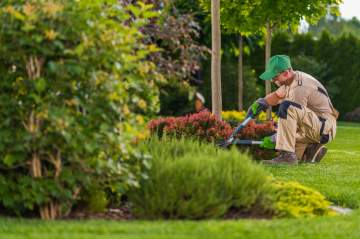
(266,143)
(255,109)
(231,139)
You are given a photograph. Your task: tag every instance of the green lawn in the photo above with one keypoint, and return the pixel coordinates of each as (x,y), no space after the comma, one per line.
(336,177)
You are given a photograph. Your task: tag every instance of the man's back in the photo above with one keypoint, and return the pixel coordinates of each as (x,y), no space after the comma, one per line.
(307,91)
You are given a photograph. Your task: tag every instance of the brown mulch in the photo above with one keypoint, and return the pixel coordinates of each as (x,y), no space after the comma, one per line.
(122,213)
(235,213)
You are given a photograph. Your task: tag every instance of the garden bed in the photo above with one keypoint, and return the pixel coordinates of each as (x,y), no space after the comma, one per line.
(121,213)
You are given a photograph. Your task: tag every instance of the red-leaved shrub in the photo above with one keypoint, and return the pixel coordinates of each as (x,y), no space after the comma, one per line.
(203,126)
(257,131)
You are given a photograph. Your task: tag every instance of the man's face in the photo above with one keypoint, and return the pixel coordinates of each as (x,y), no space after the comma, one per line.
(281,78)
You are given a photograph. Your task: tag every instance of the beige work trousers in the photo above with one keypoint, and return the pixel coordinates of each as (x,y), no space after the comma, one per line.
(300,128)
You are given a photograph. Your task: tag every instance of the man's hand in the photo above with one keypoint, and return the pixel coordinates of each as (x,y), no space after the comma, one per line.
(258,106)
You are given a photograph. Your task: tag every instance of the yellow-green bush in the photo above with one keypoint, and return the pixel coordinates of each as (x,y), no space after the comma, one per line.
(291,199)
(238,116)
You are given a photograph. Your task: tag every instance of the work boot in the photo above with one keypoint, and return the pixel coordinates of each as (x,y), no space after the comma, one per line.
(285,157)
(314,153)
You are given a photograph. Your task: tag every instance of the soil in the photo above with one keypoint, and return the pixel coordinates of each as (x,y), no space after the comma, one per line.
(122,213)
(235,213)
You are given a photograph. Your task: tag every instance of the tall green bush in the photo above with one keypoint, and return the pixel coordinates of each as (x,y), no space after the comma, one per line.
(192,180)
(72,91)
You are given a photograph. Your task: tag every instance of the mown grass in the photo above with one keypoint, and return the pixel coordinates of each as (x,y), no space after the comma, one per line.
(317,228)
(336,177)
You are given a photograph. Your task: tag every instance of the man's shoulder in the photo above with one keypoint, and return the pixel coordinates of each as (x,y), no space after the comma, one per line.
(304,76)
(306,80)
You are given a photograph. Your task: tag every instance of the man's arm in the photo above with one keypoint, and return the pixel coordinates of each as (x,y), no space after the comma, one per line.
(275,97)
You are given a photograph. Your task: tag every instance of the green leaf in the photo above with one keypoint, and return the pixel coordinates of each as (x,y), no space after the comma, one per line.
(52,66)
(28,27)
(10,159)
(134,10)
(36,98)
(40,85)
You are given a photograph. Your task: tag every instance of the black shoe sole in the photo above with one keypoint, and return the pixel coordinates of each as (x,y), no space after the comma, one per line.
(319,154)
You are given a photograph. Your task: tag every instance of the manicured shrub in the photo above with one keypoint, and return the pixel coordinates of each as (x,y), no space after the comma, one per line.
(194,180)
(203,126)
(291,199)
(72,94)
(256,130)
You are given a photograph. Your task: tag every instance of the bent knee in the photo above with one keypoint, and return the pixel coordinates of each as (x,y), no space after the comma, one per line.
(284,108)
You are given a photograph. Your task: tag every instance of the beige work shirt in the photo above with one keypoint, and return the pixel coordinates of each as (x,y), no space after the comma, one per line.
(307,91)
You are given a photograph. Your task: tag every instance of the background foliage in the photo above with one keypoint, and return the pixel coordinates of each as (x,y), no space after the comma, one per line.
(179,60)
(72,97)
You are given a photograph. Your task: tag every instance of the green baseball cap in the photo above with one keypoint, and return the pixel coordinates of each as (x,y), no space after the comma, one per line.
(276,65)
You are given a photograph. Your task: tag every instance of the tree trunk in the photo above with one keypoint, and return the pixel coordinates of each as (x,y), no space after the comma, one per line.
(49,210)
(267,57)
(240,75)
(216,59)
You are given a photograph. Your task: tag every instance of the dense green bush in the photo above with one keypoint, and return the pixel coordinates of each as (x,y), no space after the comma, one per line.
(71,93)
(192,180)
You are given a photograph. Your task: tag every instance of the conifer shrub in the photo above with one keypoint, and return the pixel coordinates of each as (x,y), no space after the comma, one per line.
(291,199)
(194,180)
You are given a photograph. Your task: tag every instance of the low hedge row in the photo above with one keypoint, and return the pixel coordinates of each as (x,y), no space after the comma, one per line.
(206,127)
(193,180)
